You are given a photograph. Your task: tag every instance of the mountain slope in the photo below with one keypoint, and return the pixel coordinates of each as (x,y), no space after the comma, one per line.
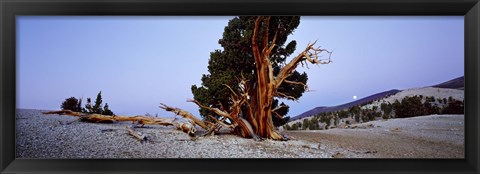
(457,83)
(361,101)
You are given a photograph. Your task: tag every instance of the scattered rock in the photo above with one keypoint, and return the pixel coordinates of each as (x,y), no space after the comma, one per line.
(310,146)
(107,130)
(395,130)
(338,155)
(39,136)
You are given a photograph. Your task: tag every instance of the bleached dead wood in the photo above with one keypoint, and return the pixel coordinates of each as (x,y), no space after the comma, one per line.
(186,124)
(185,114)
(136,134)
(108,118)
(251,111)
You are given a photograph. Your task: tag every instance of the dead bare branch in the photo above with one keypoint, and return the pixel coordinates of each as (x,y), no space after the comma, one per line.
(216,110)
(279,107)
(286,96)
(184,114)
(136,134)
(278,115)
(305,86)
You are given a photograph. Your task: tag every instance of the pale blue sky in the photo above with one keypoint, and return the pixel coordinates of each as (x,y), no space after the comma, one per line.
(138,62)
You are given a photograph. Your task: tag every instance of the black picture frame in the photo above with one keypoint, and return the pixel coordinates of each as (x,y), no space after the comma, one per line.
(470,9)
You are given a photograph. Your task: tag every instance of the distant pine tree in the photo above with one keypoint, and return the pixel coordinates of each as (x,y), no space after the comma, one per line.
(88,106)
(106,110)
(454,107)
(70,104)
(97,108)
(79,107)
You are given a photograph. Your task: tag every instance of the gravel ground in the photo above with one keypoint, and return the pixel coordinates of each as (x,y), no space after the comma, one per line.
(432,136)
(48,136)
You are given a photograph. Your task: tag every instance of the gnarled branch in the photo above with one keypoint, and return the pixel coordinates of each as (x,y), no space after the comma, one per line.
(185,114)
(310,54)
(280,94)
(305,86)
(215,110)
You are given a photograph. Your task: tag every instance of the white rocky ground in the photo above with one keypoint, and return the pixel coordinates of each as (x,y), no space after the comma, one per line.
(432,136)
(47,136)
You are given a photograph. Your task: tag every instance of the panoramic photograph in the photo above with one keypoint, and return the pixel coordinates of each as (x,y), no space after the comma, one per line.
(108,87)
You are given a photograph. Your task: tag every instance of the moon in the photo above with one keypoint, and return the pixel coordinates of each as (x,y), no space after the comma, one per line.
(354,97)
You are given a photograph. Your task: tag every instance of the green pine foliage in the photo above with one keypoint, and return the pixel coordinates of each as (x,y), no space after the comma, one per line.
(75,104)
(277,120)
(106,110)
(454,107)
(413,106)
(227,66)
(306,124)
(407,107)
(97,108)
(88,106)
(72,104)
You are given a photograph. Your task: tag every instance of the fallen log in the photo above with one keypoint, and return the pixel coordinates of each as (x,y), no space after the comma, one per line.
(136,134)
(98,118)
(185,114)
(185,124)
(64,112)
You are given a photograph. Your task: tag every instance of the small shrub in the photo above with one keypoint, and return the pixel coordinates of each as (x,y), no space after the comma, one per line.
(71,103)
(106,110)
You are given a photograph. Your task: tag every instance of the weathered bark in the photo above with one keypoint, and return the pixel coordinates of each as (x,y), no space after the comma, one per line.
(185,114)
(107,118)
(251,111)
(267,83)
(256,120)
(186,124)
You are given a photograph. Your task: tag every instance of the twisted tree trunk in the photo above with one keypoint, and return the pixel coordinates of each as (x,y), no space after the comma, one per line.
(267,83)
(250,114)
(257,122)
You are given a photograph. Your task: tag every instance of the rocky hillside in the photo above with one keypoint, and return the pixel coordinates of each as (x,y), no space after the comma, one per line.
(324,109)
(457,83)
(444,98)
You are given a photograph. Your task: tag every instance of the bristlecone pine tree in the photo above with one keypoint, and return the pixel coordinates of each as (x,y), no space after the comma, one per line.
(251,106)
(241,99)
(226,66)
